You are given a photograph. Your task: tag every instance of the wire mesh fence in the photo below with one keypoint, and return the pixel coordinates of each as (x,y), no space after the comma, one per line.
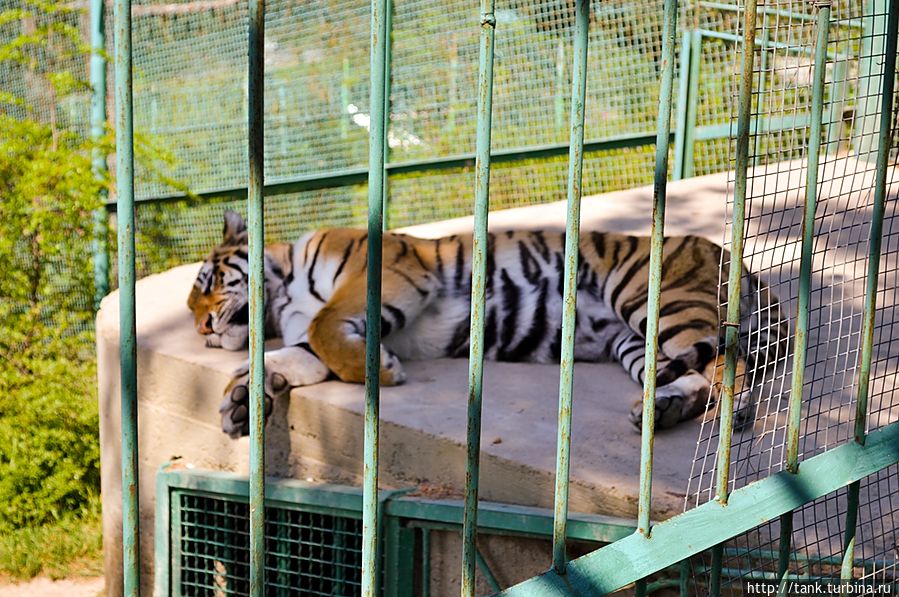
(782,84)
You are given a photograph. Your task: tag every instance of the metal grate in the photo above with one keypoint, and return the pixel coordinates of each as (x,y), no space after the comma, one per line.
(307,552)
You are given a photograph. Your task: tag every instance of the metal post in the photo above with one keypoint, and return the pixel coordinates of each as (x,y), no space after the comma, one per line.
(127,330)
(692,105)
(376,144)
(884,140)
(572,242)
(388,61)
(683,100)
(663,132)
(256,233)
(478,297)
(732,333)
(98,164)
(663,136)
(800,340)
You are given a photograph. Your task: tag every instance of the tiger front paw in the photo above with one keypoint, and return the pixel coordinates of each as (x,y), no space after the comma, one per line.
(669,407)
(235,407)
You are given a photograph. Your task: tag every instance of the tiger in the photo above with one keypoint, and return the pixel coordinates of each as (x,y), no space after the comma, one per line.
(315,300)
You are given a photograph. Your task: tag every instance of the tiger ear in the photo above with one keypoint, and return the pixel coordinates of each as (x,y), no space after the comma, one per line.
(235,230)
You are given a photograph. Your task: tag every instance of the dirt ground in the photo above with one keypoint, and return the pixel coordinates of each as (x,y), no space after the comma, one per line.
(44,587)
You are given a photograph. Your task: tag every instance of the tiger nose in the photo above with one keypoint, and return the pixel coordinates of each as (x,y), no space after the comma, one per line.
(204,326)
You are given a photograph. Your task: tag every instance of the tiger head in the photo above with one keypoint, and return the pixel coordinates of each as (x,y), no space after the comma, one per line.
(218,298)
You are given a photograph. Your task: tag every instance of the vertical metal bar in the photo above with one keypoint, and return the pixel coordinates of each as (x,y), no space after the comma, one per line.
(345,98)
(478,296)
(98,163)
(127,328)
(489,576)
(683,100)
(732,326)
(376,143)
(560,84)
(732,335)
(388,61)
(800,340)
(884,140)
(425,562)
(663,134)
(256,234)
(693,104)
(569,300)
(763,82)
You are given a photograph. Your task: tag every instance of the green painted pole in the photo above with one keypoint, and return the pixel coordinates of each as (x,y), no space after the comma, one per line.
(478,297)
(683,100)
(693,104)
(660,186)
(732,325)
(376,144)
(866,351)
(98,163)
(388,61)
(124,131)
(569,300)
(256,238)
(800,339)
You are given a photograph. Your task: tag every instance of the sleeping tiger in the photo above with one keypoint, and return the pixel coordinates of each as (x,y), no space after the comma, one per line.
(315,300)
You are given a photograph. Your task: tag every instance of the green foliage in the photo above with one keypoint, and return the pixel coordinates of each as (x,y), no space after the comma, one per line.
(70,547)
(49,458)
(49,453)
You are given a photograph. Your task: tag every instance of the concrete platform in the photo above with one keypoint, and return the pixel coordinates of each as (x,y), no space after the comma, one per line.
(318,434)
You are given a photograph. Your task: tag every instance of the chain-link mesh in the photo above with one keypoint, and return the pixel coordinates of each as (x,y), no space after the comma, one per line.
(310,552)
(781,119)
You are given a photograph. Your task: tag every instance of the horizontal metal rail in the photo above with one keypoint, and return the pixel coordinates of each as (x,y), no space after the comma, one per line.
(712,523)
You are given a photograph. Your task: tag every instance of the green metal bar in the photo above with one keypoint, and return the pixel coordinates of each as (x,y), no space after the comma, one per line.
(800,340)
(732,335)
(354,176)
(256,296)
(513,519)
(712,523)
(388,61)
(785,540)
(715,570)
(98,164)
(732,325)
(683,99)
(376,143)
(560,84)
(345,98)
(127,329)
(873,40)
(478,296)
(763,83)
(693,104)
(487,572)
(684,578)
(660,187)
(839,91)
(775,12)
(866,352)
(569,300)
(426,562)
